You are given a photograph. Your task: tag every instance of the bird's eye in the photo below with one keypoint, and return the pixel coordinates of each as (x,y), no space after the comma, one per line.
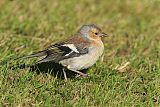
(96,33)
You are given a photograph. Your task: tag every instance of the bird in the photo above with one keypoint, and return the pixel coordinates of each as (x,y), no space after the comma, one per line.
(76,53)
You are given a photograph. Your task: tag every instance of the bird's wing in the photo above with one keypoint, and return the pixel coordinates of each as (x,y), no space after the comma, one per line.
(70,48)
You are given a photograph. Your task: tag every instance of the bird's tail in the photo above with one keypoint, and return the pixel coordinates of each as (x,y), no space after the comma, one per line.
(35,54)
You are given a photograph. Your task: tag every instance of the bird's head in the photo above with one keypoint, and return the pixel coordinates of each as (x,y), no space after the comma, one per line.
(91,32)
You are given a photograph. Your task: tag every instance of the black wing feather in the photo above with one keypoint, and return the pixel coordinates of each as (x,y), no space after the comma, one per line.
(58,52)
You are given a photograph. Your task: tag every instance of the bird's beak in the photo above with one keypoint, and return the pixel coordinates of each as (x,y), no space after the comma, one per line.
(103,34)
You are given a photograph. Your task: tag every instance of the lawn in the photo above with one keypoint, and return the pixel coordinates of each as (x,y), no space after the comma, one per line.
(128,76)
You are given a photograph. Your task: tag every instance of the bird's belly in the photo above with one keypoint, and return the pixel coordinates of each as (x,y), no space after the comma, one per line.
(83,61)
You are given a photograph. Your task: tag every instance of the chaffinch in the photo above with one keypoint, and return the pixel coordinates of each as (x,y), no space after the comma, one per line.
(78,52)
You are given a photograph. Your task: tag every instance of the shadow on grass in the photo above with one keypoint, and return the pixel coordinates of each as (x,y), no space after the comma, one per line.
(51,68)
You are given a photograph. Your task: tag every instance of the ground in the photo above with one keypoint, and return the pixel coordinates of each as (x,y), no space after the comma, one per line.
(128,76)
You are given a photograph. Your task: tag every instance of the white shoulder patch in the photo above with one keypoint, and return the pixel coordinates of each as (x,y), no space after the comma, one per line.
(72,47)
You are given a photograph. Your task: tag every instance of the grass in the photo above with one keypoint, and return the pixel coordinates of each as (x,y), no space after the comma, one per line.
(133,26)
